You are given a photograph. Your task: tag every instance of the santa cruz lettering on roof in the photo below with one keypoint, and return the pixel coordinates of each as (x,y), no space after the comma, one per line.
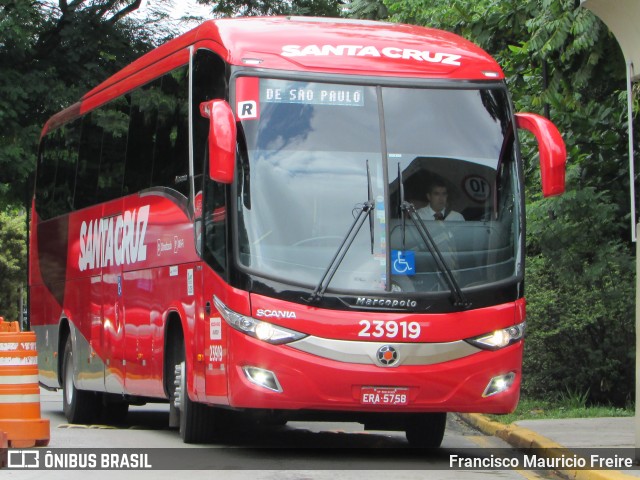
(371,51)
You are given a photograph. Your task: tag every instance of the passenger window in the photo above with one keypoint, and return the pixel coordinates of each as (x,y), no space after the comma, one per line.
(171,149)
(142,130)
(46,176)
(114,121)
(88,163)
(209,82)
(57,171)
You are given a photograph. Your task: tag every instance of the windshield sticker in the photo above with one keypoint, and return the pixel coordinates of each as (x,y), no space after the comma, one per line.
(278,91)
(403,262)
(190,281)
(380,214)
(215,328)
(247,96)
(477,188)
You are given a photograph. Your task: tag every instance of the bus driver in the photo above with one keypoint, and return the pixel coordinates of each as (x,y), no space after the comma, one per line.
(437,195)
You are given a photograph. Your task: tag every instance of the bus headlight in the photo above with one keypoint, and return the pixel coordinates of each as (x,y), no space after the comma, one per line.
(499,338)
(264,331)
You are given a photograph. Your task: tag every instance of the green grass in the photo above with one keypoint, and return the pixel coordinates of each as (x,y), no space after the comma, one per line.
(568,406)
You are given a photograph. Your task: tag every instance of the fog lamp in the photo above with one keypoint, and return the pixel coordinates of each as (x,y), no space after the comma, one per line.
(263,378)
(499,384)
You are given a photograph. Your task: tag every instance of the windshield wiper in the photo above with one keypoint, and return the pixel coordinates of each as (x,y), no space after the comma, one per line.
(364,210)
(370,201)
(458,298)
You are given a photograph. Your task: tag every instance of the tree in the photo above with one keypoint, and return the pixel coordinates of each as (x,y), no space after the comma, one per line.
(13,254)
(578,245)
(51,54)
(234,8)
(367,9)
(580,284)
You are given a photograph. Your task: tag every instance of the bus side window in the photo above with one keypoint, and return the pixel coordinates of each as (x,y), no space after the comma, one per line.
(142,131)
(171,149)
(88,163)
(215,224)
(46,177)
(66,171)
(57,171)
(114,121)
(209,82)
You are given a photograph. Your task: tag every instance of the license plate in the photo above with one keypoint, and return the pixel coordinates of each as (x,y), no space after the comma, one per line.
(384,396)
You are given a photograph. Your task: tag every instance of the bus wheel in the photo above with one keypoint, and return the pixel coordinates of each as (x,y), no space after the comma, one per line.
(79,406)
(426,430)
(196,419)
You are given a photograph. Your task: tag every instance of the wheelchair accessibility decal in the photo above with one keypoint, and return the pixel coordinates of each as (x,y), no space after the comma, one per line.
(403,262)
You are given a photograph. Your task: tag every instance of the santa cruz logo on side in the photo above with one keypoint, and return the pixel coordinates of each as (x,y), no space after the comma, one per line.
(371,51)
(117,240)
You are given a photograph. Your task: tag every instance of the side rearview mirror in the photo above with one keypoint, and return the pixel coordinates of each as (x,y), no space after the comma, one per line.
(553,153)
(222,139)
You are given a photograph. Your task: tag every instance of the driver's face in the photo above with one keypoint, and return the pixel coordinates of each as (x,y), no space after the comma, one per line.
(437,198)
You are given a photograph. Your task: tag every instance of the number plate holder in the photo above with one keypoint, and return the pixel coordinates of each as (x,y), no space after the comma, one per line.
(391,396)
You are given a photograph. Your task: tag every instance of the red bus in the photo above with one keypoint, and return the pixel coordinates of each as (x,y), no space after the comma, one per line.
(237,223)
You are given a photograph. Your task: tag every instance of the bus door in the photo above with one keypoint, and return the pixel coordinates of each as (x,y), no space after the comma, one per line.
(112,298)
(215,343)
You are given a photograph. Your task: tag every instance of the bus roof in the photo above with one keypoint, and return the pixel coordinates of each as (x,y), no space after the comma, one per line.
(330,45)
(305,44)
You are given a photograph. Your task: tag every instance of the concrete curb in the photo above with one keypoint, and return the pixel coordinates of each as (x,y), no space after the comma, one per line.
(520,437)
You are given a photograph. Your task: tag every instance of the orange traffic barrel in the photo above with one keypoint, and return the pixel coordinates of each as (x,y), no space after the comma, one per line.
(9,326)
(4,448)
(19,391)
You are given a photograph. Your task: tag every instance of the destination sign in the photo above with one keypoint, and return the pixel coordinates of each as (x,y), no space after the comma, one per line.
(306,93)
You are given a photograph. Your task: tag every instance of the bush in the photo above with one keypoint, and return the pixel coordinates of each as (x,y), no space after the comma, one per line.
(13,263)
(581,301)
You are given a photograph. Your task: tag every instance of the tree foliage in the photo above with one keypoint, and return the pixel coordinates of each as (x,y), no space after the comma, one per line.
(366,9)
(560,60)
(51,54)
(580,289)
(233,8)
(13,252)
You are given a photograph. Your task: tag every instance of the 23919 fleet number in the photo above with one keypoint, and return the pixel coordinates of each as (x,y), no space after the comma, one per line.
(389,329)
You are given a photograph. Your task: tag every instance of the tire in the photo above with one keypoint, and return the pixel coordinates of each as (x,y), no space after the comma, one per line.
(197,421)
(79,406)
(426,430)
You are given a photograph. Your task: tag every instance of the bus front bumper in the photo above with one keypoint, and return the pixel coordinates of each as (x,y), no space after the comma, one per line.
(283,377)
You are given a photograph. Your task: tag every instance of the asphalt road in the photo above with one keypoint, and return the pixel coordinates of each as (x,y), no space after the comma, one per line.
(299,450)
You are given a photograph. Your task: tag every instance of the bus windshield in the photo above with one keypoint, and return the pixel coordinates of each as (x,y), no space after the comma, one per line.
(312,155)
